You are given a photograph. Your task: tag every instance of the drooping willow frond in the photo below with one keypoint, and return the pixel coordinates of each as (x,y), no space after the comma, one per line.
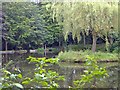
(78,16)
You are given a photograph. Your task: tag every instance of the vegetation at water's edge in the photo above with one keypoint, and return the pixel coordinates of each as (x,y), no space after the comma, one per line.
(42,77)
(81,56)
(92,73)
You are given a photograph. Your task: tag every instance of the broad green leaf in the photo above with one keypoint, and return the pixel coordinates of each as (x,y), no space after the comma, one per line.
(18,85)
(25,82)
(20,75)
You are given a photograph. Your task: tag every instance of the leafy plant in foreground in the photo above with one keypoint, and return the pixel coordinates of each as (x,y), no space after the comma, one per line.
(43,77)
(11,80)
(91,74)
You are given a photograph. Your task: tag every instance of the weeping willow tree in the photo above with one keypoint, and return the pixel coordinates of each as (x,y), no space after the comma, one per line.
(97,17)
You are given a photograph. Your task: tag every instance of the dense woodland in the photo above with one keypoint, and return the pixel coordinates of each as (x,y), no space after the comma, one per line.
(58,24)
(28,27)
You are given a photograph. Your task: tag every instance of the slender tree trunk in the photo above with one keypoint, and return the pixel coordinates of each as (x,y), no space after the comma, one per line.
(45,50)
(84,41)
(94,43)
(111,40)
(59,43)
(28,50)
(6,48)
(107,44)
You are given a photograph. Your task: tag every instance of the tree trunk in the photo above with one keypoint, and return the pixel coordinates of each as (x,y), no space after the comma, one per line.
(45,50)
(59,43)
(28,49)
(107,44)
(84,41)
(6,48)
(111,40)
(94,43)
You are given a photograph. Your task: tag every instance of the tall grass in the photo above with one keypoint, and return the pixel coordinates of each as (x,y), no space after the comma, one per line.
(81,55)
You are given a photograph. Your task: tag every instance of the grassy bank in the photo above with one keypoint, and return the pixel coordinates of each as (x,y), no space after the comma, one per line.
(72,56)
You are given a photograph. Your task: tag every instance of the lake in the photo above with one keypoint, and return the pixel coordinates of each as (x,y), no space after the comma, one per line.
(71,71)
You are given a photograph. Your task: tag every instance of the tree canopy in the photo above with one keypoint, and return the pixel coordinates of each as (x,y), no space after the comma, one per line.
(29,24)
(99,18)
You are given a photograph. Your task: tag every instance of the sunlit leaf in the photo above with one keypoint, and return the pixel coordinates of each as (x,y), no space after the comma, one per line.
(18,85)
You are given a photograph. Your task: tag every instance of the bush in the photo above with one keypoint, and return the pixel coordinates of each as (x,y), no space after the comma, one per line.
(11,80)
(115,47)
(54,50)
(51,50)
(92,73)
(42,76)
(40,50)
(101,47)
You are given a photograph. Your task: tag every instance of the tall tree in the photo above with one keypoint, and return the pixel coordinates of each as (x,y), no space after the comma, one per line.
(78,16)
(55,30)
(29,25)
(24,24)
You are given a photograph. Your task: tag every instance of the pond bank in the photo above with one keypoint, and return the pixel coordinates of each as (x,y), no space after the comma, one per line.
(17,51)
(30,51)
(99,61)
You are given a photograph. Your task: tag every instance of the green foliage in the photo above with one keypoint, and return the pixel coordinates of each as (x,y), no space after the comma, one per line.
(92,73)
(44,77)
(40,50)
(49,50)
(115,46)
(55,30)
(79,47)
(24,25)
(11,80)
(29,26)
(81,55)
(100,47)
(79,17)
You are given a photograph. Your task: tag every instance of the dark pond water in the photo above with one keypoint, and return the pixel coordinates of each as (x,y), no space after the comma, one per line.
(71,71)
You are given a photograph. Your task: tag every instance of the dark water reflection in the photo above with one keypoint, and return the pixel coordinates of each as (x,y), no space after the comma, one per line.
(71,71)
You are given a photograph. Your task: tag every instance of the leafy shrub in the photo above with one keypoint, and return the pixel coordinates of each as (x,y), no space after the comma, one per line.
(92,73)
(40,50)
(44,77)
(101,47)
(11,80)
(54,50)
(115,47)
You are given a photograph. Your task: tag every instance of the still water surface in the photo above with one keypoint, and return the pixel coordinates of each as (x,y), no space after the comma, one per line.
(71,71)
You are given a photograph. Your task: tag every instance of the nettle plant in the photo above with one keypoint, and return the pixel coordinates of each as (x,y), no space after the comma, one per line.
(43,77)
(92,73)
